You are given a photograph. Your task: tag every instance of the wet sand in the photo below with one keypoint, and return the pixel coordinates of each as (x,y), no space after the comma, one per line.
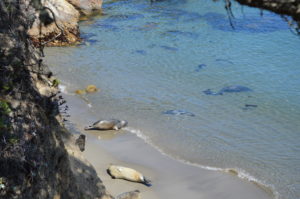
(170,178)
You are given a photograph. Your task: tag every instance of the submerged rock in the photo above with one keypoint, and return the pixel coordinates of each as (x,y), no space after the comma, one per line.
(80,92)
(249,107)
(169,48)
(91,89)
(210,92)
(228,89)
(200,67)
(179,112)
(141,52)
(235,89)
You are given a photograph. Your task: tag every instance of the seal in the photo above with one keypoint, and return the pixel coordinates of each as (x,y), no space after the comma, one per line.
(120,172)
(111,124)
(130,195)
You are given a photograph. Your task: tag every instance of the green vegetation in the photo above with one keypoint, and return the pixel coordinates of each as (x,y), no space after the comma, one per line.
(55,83)
(4,111)
(4,107)
(13,141)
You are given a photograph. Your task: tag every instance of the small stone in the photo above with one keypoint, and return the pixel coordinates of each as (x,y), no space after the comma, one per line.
(80,92)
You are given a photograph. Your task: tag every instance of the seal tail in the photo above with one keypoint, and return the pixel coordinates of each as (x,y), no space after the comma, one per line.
(88,128)
(147,182)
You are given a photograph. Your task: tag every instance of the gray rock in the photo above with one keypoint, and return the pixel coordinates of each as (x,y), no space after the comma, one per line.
(129,195)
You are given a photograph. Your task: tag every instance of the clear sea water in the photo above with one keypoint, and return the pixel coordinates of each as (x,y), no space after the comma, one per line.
(150,58)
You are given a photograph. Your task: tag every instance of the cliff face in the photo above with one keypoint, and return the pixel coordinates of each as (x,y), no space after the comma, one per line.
(33,160)
(62,18)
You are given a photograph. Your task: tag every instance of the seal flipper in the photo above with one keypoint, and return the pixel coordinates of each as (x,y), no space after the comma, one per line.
(108,172)
(89,128)
(96,122)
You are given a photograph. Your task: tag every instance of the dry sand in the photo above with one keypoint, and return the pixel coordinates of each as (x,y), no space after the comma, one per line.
(170,178)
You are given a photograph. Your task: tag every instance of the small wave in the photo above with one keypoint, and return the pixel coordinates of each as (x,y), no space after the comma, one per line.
(233,171)
(246,176)
(62,88)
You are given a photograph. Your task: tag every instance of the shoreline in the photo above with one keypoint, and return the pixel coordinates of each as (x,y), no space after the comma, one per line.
(170,177)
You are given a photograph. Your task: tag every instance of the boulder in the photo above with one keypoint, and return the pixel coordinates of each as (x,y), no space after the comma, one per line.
(66,17)
(86,7)
(130,195)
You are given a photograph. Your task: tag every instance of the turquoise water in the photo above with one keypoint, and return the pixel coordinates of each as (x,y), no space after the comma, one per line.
(148,59)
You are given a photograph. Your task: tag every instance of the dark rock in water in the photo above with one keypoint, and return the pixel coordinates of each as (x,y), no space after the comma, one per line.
(122,17)
(91,41)
(169,48)
(191,17)
(200,66)
(249,107)
(228,89)
(181,33)
(108,27)
(87,38)
(80,142)
(141,52)
(152,46)
(210,92)
(87,35)
(179,112)
(113,4)
(224,61)
(235,89)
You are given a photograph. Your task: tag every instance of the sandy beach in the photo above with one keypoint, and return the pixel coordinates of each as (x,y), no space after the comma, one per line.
(170,178)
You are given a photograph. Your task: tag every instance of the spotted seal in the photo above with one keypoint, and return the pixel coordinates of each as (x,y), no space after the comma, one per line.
(120,172)
(111,124)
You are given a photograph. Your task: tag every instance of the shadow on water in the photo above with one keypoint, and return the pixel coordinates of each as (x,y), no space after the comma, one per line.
(122,17)
(88,38)
(141,52)
(251,24)
(107,27)
(187,34)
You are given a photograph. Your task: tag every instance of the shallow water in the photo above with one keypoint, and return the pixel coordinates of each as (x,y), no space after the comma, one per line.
(152,63)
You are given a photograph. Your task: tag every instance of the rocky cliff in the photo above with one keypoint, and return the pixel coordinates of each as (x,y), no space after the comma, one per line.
(34,162)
